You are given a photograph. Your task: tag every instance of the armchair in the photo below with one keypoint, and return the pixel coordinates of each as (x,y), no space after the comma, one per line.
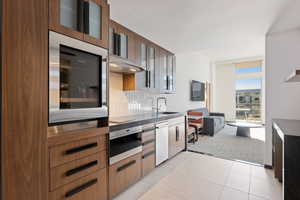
(212,122)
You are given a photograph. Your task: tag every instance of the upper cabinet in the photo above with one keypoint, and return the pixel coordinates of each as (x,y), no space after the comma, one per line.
(149,60)
(86,20)
(123,43)
(158,64)
(167,72)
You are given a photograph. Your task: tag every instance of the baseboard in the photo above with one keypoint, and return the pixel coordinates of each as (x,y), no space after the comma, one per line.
(268,166)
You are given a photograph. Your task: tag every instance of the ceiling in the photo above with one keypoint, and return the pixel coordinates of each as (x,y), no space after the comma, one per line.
(220,29)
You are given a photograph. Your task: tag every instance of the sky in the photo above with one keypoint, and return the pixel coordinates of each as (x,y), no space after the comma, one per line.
(245,84)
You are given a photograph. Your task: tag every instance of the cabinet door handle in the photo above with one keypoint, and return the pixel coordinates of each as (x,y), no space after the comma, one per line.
(126,165)
(81,188)
(167,82)
(81,148)
(177,133)
(80,11)
(149,78)
(148,154)
(146,81)
(81,168)
(148,142)
(86,17)
(117,44)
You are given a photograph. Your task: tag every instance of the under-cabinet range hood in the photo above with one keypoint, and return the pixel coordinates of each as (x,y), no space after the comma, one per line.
(121,65)
(294,77)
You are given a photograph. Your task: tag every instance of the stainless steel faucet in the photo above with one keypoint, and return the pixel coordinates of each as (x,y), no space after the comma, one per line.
(157,101)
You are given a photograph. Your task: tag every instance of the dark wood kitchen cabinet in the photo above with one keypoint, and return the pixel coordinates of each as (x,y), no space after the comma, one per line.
(78,165)
(86,20)
(122,42)
(24,91)
(286,156)
(123,174)
(159,75)
(91,187)
(176,136)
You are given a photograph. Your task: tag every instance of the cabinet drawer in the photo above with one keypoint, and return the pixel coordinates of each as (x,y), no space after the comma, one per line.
(91,187)
(148,135)
(66,173)
(148,149)
(148,161)
(74,150)
(123,174)
(148,141)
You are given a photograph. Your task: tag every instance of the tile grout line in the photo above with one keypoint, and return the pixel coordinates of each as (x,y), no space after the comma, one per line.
(250,182)
(225,185)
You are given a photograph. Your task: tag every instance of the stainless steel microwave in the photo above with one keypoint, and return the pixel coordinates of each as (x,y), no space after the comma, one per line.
(77,80)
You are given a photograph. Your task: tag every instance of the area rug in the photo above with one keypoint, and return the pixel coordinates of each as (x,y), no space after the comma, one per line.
(225,144)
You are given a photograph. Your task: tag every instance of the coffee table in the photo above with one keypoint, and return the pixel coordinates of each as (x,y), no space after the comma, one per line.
(243,128)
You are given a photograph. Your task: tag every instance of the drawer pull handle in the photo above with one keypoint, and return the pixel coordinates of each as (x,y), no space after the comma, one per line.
(81,168)
(126,165)
(148,154)
(177,133)
(81,188)
(81,148)
(148,142)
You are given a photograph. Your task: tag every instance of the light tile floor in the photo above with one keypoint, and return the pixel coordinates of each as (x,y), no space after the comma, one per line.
(191,176)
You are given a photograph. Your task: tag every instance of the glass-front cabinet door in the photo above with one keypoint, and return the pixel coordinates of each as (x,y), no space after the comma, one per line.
(96,22)
(151,69)
(171,73)
(163,72)
(81,19)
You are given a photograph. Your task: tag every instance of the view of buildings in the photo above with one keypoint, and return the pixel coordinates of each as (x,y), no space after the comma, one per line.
(248,105)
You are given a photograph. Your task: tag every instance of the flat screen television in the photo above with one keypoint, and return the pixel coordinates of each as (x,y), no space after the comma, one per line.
(197,91)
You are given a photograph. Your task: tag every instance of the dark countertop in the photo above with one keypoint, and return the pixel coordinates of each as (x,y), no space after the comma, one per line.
(287,127)
(118,123)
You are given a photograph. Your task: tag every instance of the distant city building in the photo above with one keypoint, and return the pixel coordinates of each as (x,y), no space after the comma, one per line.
(248,104)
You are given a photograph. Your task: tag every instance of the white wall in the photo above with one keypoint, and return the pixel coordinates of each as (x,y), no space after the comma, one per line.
(190,66)
(224,90)
(282,99)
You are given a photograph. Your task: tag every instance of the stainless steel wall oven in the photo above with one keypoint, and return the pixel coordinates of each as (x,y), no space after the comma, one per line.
(77,80)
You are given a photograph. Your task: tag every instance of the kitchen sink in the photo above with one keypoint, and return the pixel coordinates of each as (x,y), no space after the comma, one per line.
(168,113)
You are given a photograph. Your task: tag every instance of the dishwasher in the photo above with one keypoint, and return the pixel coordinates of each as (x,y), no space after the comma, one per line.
(162,142)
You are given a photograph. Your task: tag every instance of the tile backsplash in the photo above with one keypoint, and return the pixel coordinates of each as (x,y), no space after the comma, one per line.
(124,103)
(140,102)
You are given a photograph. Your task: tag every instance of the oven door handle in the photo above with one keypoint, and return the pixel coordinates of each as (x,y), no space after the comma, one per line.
(112,137)
(150,129)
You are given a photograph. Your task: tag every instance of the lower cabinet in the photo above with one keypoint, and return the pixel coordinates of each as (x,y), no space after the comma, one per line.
(176,138)
(148,161)
(148,154)
(78,168)
(91,187)
(69,172)
(124,173)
